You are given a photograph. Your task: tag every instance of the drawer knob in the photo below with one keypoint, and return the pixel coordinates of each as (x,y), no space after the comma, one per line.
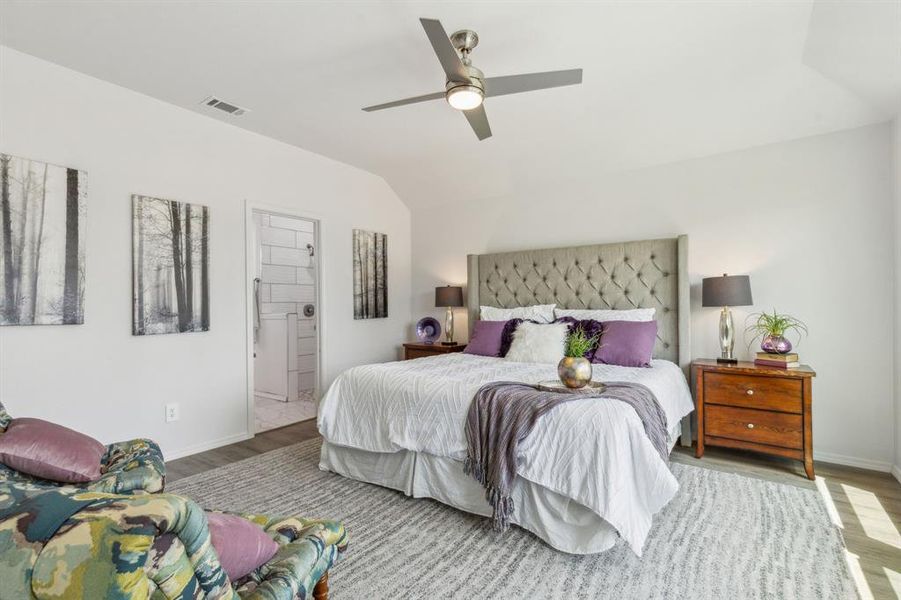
(750,425)
(750,392)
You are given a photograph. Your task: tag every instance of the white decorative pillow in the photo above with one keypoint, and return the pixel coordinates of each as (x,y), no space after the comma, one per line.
(536,343)
(543,313)
(632,314)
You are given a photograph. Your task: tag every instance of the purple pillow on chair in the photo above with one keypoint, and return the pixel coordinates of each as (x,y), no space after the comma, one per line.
(486,338)
(50,451)
(626,343)
(242,545)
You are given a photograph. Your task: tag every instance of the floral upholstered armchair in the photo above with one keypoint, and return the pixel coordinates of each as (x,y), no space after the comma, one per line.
(60,542)
(118,536)
(135,466)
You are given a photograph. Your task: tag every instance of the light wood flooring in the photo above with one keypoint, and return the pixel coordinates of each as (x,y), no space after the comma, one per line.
(865,504)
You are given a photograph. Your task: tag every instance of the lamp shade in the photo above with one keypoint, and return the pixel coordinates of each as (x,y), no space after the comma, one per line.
(449,295)
(728,290)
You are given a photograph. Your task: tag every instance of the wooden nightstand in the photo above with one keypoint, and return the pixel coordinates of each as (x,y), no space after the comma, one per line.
(764,409)
(417,350)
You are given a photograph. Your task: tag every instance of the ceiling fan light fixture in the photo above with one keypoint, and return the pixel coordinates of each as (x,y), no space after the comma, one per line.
(465,97)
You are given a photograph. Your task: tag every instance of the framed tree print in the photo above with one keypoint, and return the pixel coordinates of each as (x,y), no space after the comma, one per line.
(171,257)
(370,267)
(42,243)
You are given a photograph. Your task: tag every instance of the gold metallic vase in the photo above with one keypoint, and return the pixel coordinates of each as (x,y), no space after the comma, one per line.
(574,371)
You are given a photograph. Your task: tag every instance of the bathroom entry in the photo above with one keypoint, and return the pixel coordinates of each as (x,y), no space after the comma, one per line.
(285,320)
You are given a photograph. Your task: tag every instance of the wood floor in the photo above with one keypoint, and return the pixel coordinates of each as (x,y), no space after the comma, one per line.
(262,442)
(865,504)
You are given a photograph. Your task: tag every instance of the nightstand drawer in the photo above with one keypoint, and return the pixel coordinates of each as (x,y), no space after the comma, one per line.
(412,350)
(749,391)
(763,427)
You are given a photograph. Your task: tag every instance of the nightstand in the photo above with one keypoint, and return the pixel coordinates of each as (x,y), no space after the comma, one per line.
(418,350)
(764,409)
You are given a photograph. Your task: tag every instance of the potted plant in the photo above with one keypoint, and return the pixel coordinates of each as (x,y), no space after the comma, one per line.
(771,330)
(574,369)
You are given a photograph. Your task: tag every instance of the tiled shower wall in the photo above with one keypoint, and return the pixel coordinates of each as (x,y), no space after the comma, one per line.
(288,283)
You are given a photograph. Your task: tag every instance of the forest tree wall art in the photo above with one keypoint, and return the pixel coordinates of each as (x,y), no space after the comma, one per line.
(42,243)
(370,262)
(171,257)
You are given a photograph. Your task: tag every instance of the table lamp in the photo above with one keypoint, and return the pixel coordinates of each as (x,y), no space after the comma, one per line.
(726,291)
(449,297)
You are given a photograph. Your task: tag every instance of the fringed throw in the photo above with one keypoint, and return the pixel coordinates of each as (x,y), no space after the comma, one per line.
(503,413)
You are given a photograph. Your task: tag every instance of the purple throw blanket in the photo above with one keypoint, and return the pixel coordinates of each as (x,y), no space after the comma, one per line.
(503,413)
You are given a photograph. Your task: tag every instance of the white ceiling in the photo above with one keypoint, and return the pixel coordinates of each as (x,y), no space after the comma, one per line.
(663,81)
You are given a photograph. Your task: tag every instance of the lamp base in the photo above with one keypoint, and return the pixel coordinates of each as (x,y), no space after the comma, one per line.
(727,338)
(449,328)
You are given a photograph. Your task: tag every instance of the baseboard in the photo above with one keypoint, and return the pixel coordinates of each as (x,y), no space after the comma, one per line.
(196,449)
(896,471)
(851,461)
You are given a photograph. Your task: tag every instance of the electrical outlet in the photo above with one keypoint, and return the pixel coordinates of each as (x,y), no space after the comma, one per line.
(172,412)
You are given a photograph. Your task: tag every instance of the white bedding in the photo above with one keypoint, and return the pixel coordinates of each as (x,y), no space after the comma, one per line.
(593,451)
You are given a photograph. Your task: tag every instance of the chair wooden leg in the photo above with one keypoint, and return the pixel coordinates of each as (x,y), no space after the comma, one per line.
(320,592)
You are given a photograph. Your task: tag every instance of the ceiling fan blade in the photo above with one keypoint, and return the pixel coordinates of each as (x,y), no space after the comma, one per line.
(447,54)
(405,101)
(478,120)
(514,84)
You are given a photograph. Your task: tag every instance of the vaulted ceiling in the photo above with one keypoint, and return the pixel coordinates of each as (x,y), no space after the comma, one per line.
(663,81)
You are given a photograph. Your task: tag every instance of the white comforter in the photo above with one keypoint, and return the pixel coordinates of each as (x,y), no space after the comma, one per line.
(594,451)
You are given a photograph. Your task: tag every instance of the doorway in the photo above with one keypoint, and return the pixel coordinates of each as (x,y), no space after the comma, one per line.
(284,302)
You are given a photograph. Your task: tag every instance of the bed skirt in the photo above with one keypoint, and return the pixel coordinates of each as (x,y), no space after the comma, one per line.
(560,521)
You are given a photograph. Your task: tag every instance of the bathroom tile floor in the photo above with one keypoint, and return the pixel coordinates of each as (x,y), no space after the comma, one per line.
(272,414)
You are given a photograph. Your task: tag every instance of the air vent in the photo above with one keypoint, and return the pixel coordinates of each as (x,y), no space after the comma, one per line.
(214,102)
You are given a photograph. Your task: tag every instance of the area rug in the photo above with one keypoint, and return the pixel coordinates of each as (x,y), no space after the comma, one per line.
(724,536)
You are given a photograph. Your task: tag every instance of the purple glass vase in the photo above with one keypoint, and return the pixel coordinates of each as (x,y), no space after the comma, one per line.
(776,344)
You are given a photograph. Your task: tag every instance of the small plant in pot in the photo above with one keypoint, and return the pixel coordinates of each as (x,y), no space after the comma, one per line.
(772,329)
(574,369)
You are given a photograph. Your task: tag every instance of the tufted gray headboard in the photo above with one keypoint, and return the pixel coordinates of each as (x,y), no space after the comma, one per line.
(642,274)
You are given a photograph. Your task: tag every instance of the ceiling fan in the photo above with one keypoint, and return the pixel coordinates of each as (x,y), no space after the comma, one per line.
(467,87)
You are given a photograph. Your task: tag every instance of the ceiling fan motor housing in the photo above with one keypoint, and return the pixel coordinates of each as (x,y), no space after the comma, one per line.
(476,79)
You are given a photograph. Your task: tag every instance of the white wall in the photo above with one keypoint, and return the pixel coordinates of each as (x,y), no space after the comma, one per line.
(896,164)
(810,220)
(96,377)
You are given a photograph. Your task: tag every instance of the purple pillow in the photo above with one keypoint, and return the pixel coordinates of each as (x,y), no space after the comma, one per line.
(486,338)
(50,451)
(242,545)
(626,343)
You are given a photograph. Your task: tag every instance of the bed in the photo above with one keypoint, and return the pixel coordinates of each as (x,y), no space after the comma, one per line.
(587,475)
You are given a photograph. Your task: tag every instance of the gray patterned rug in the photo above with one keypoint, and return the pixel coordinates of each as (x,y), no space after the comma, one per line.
(724,536)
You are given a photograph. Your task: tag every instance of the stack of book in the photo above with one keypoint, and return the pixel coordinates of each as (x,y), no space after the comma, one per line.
(782,361)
